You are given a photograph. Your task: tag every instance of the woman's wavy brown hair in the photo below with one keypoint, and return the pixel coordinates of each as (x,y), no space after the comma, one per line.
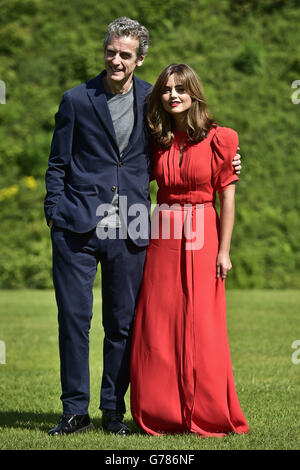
(198,118)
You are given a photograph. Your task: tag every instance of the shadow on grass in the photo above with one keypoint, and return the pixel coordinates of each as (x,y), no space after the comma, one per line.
(31,420)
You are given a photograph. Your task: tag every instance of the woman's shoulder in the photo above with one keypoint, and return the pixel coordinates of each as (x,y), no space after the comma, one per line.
(225,136)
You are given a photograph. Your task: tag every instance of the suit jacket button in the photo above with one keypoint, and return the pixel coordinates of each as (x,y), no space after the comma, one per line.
(120,163)
(113,188)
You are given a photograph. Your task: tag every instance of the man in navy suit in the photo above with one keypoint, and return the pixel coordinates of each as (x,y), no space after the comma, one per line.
(100,156)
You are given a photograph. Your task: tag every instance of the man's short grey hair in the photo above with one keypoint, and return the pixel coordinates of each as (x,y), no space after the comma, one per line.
(127,27)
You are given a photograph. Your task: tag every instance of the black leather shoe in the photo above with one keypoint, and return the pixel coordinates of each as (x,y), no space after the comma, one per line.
(112,422)
(72,423)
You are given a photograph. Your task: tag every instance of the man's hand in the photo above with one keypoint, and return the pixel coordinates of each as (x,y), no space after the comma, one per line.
(50,223)
(236,162)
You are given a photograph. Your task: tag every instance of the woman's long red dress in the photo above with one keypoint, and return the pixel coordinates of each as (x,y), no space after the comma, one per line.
(181,372)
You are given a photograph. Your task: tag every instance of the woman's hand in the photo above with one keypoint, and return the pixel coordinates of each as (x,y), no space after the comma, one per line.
(223,264)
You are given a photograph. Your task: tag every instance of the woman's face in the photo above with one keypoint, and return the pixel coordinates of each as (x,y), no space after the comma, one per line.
(174,98)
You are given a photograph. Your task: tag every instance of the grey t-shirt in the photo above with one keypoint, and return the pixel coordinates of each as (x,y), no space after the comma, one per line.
(122,113)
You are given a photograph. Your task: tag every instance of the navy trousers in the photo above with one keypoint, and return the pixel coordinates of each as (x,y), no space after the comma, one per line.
(75,260)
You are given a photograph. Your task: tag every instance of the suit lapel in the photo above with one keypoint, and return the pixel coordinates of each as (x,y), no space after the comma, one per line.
(96,93)
(139,103)
(97,96)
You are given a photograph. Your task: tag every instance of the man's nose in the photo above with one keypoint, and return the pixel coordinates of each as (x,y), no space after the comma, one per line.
(116,59)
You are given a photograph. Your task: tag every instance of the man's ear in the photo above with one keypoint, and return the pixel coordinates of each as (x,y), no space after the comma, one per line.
(140,60)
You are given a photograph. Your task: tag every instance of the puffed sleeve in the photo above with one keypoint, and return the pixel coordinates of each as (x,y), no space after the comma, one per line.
(224,145)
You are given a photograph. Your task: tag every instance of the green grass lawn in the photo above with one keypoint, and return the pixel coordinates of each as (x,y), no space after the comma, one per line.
(262,326)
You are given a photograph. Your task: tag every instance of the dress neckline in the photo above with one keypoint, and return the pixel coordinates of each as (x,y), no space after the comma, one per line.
(179,133)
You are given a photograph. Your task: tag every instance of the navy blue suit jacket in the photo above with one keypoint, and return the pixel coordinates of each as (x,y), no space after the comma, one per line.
(85,168)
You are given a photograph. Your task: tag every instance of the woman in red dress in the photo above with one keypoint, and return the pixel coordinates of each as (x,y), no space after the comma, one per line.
(181,372)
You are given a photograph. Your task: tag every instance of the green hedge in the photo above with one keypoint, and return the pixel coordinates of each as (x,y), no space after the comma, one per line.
(246,54)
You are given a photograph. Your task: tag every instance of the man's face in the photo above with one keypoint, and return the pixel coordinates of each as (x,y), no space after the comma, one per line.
(121,58)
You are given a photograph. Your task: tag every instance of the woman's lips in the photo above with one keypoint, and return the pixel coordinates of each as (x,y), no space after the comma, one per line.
(174,104)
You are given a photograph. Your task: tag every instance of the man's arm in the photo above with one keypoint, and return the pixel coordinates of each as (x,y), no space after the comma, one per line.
(60,154)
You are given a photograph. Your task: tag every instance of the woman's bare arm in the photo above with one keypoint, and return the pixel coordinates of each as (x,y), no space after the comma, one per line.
(227,205)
